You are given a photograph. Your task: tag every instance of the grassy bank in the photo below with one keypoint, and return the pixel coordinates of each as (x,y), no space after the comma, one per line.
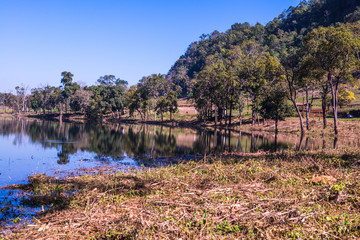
(260,196)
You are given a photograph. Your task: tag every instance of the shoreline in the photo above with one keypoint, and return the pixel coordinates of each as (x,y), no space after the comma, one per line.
(290,125)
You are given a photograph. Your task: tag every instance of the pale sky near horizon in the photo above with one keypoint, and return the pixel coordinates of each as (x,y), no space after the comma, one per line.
(129,39)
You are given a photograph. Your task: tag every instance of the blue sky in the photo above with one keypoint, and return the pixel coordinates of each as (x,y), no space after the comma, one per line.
(129,39)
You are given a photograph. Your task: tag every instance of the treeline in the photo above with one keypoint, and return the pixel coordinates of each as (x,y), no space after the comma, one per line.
(110,96)
(281,36)
(269,64)
(93,101)
(327,62)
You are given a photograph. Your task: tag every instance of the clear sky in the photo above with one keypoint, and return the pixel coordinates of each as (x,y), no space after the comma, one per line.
(129,39)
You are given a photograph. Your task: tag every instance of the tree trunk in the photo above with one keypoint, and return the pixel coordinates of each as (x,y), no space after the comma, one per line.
(334,102)
(231,107)
(335,142)
(162,118)
(240,110)
(307,108)
(301,142)
(253,116)
(225,114)
(276,126)
(258,119)
(61,113)
(300,117)
(323,106)
(216,115)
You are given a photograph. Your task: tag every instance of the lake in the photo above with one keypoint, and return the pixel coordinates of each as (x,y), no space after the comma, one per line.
(30,147)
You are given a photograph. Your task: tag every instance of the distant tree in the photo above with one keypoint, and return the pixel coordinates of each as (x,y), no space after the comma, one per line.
(36,99)
(254,71)
(171,97)
(68,88)
(111,80)
(345,97)
(137,101)
(167,103)
(155,85)
(56,100)
(210,88)
(21,99)
(275,104)
(8,100)
(47,101)
(80,100)
(236,59)
(108,96)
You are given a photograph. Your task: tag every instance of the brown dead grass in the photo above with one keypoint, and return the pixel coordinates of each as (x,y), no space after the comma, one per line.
(263,196)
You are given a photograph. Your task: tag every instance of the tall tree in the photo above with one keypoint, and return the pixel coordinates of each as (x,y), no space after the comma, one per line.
(334,51)
(291,66)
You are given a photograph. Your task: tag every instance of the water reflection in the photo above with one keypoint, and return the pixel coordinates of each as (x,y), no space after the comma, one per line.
(133,141)
(147,142)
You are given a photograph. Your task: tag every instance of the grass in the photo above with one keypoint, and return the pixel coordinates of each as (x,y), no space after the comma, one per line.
(256,196)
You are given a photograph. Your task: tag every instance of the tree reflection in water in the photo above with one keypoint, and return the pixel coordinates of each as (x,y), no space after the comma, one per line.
(141,142)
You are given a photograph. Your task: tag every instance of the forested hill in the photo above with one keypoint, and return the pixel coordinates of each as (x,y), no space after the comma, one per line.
(281,36)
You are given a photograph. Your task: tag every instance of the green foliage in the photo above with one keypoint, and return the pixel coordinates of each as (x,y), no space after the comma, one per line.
(275,105)
(152,93)
(167,103)
(36,99)
(106,97)
(345,97)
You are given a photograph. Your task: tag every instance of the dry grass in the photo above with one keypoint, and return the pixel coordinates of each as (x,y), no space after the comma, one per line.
(256,196)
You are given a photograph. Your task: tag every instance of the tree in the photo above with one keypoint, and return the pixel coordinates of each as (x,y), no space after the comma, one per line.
(237,60)
(210,88)
(36,99)
(68,88)
(274,104)
(162,105)
(334,51)
(137,100)
(167,103)
(21,99)
(253,69)
(9,100)
(110,80)
(154,85)
(47,101)
(56,100)
(291,67)
(171,98)
(81,100)
(106,97)
(345,97)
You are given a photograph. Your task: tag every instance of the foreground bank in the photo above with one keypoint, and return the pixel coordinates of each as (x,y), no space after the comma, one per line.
(284,195)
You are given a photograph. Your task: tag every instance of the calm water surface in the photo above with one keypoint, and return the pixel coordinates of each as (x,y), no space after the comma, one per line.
(30,147)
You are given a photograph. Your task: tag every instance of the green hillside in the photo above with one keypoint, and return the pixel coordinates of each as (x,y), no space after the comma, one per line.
(282,36)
